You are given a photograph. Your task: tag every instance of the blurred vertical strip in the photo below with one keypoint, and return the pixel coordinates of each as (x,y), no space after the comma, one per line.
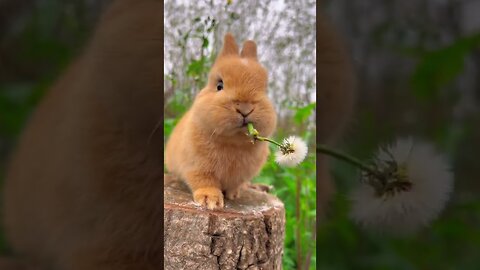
(335,100)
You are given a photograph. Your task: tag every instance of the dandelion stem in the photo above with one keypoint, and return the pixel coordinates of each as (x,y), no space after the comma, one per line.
(254,133)
(268,140)
(345,157)
(320,148)
(251,130)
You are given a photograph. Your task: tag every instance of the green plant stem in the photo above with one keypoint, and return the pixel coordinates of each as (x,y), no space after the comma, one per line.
(268,140)
(345,157)
(298,241)
(254,133)
(251,130)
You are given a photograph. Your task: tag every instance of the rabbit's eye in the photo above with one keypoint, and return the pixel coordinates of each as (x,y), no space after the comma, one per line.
(220,85)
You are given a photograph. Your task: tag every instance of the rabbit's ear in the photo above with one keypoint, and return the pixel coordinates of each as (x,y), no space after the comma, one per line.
(229,45)
(249,50)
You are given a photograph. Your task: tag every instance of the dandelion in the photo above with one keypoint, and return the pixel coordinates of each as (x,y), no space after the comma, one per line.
(407,190)
(292,153)
(405,187)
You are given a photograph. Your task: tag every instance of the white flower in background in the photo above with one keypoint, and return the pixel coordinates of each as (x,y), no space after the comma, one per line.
(416,185)
(292,153)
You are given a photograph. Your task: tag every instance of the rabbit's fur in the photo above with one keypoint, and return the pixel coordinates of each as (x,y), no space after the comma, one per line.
(209,148)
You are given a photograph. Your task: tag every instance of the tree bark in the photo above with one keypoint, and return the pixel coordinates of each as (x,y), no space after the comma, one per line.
(247,234)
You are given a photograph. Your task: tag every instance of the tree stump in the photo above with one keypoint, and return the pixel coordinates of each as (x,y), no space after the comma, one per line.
(247,234)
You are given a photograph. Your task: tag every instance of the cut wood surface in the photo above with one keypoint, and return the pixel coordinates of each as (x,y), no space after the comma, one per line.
(247,234)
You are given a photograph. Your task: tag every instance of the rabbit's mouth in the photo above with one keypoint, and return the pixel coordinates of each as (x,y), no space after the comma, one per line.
(245,122)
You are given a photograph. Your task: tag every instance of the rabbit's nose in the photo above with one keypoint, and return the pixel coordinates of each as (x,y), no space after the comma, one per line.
(245,109)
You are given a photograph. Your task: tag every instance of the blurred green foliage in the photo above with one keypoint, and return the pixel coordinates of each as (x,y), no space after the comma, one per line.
(440,67)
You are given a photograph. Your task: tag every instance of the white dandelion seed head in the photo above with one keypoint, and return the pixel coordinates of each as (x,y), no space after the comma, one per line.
(293,158)
(406,211)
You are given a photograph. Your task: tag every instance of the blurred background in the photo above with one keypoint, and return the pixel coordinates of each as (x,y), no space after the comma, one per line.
(38,39)
(418,70)
(285,35)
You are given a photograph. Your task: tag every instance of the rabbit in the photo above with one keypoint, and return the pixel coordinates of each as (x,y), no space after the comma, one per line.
(84,186)
(209,148)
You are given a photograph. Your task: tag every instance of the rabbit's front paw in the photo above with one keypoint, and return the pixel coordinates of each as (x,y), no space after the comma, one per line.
(212,198)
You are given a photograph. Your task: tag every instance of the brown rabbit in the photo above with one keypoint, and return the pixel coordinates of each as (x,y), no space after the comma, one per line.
(209,148)
(84,187)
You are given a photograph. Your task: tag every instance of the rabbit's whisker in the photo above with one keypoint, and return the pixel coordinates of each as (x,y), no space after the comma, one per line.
(224,107)
(213,133)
